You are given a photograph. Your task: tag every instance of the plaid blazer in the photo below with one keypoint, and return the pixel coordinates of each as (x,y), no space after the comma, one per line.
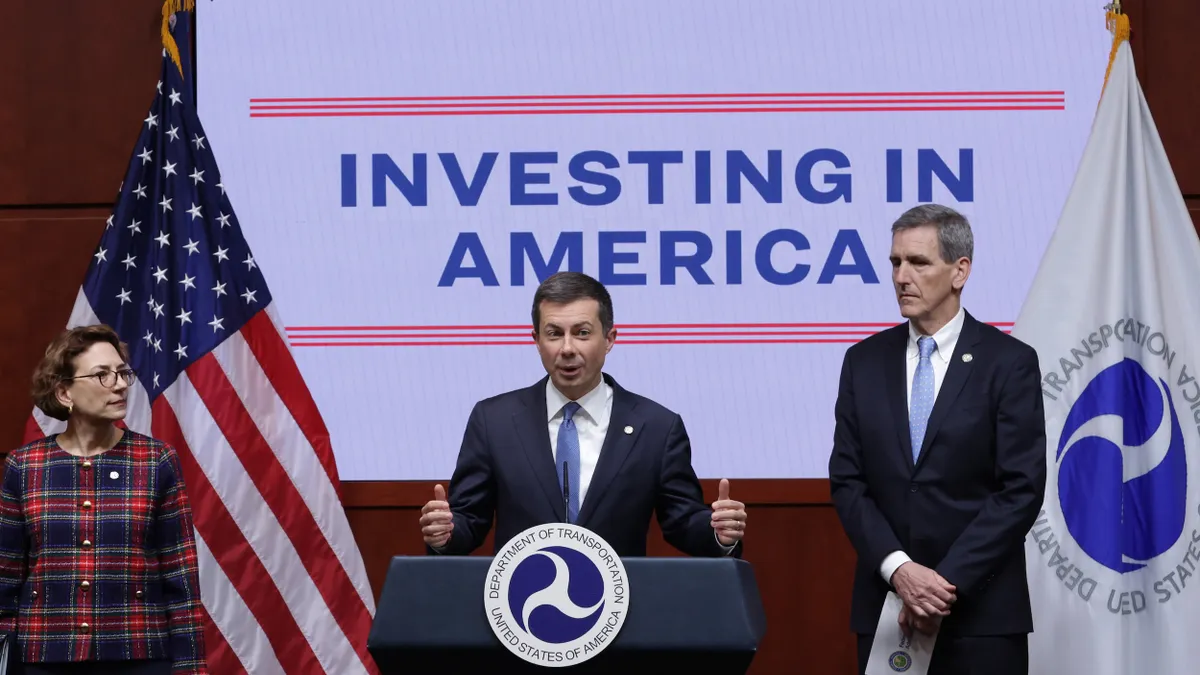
(98,557)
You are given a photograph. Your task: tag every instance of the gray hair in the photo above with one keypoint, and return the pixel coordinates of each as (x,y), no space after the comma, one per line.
(954,232)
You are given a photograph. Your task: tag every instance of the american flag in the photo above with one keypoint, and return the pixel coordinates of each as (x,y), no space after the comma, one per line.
(282,579)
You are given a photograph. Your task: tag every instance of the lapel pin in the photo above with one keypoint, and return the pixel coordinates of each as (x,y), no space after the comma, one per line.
(628,430)
(967,358)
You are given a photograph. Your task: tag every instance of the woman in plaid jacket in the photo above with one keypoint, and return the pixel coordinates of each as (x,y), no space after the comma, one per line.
(98,566)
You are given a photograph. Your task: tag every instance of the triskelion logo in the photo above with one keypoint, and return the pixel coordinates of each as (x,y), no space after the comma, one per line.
(1121,517)
(1118,527)
(556,595)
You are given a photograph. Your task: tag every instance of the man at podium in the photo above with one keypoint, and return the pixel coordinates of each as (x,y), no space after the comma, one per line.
(577,447)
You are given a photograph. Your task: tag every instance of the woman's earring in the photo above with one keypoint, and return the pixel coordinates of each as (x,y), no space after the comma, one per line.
(70,408)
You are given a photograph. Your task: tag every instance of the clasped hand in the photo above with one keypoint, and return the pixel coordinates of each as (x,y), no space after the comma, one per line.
(927,597)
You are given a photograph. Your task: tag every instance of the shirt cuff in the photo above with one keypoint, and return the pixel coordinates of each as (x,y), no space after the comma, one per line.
(892,563)
(724,549)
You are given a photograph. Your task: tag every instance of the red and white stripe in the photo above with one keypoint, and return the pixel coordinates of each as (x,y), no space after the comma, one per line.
(281,576)
(627,334)
(643,104)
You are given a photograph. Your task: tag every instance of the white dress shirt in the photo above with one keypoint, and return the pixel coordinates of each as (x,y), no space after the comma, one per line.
(946,340)
(591,423)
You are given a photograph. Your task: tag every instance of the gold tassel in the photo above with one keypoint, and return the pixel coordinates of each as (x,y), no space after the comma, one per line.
(1118,24)
(169,8)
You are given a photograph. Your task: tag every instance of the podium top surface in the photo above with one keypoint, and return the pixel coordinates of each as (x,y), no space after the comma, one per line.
(675,604)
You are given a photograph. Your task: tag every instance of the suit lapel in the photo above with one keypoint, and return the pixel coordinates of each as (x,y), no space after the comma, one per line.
(957,374)
(896,378)
(533,430)
(617,446)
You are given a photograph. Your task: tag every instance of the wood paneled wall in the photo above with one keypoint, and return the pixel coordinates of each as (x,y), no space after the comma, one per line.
(76,80)
(803,562)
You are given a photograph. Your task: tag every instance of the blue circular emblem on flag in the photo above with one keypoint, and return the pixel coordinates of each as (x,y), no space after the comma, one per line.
(1122,477)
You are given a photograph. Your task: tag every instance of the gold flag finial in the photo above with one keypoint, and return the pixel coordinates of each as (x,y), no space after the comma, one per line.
(1117,23)
(169,8)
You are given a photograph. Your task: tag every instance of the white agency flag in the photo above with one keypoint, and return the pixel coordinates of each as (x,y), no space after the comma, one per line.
(1115,317)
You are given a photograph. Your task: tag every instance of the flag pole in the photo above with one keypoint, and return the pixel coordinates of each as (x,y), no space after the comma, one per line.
(169,8)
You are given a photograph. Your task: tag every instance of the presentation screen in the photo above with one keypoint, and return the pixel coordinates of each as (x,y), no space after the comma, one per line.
(407,172)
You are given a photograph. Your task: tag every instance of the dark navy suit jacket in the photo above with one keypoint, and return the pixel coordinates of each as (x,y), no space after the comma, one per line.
(964,507)
(506,470)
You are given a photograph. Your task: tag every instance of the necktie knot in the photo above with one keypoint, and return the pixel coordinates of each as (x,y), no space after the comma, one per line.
(926,345)
(569,410)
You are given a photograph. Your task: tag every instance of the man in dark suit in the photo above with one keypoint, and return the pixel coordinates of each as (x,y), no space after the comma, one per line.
(938,466)
(578,447)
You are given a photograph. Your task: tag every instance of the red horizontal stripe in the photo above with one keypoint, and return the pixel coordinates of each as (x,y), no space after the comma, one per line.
(487,343)
(533,104)
(291,329)
(460,343)
(282,498)
(620,337)
(405,336)
(640,111)
(679,339)
(235,556)
(567,97)
(619,326)
(476,343)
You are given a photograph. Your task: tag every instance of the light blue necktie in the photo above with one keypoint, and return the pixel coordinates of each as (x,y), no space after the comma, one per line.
(568,452)
(922,395)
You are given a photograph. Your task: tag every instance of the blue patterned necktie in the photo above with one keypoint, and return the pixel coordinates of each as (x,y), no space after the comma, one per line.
(922,395)
(568,452)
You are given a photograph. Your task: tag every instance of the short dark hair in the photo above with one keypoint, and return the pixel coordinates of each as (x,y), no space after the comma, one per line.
(565,287)
(58,364)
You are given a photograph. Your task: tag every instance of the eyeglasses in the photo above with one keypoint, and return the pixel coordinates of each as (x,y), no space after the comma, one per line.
(108,378)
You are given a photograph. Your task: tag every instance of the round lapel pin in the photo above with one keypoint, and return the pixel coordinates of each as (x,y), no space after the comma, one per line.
(967,358)
(628,430)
